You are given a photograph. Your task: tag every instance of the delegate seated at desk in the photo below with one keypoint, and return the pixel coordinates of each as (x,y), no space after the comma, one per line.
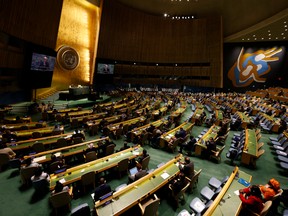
(102,189)
(211,147)
(140,173)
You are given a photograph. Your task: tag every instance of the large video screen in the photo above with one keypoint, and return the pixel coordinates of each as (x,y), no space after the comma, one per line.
(105,68)
(42,62)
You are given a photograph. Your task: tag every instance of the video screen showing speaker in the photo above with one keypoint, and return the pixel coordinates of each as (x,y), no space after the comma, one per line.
(42,62)
(39,67)
(105,68)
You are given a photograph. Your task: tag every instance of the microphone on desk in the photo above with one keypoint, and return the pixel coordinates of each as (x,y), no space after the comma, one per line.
(224,199)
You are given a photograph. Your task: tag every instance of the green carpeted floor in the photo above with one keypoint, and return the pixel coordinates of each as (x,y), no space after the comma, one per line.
(16,201)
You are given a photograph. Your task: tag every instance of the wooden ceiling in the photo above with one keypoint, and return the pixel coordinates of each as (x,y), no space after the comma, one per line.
(243,20)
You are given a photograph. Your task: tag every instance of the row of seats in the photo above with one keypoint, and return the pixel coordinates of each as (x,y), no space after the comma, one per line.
(280,145)
(208,194)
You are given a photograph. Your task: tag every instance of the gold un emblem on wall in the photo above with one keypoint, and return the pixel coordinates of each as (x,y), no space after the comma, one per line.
(68,58)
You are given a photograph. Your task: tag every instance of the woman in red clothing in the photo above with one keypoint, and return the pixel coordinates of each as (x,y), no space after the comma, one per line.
(251,199)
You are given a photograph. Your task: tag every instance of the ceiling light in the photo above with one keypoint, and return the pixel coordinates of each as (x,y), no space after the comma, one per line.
(262,38)
(165,14)
(254,35)
(268,30)
(269,38)
(276,38)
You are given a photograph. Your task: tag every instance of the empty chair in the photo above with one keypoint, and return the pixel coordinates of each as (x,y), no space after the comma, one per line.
(265,210)
(38,147)
(62,142)
(144,139)
(109,149)
(26,174)
(24,127)
(180,196)
(217,154)
(207,193)
(150,207)
(118,133)
(4,160)
(77,140)
(122,166)
(41,186)
(74,123)
(276,138)
(88,179)
(81,210)
(145,163)
(215,183)
(90,156)
(199,207)
(194,180)
(184,212)
(36,134)
(173,146)
(280,142)
(94,129)
(59,200)
(15,163)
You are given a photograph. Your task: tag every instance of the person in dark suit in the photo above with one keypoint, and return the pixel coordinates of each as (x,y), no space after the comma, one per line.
(141,173)
(178,183)
(188,146)
(90,148)
(181,133)
(188,168)
(211,147)
(102,189)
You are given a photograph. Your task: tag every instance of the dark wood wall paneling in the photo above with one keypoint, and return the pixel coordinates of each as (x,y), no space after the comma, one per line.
(23,22)
(133,36)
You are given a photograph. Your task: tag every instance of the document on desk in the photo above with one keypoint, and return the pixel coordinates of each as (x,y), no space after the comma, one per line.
(136,153)
(37,159)
(62,180)
(236,192)
(164,175)
(57,154)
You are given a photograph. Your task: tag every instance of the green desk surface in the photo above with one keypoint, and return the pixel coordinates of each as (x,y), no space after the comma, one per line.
(157,124)
(45,140)
(45,156)
(252,142)
(231,206)
(74,174)
(28,133)
(138,192)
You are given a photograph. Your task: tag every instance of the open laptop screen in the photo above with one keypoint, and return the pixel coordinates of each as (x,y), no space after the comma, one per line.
(133,171)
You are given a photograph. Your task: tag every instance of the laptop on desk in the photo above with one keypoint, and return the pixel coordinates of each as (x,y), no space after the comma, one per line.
(133,171)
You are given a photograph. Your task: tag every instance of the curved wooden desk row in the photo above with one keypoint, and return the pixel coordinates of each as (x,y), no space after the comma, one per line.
(13,119)
(227,202)
(178,112)
(74,174)
(134,193)
(196,115)
(45,156)
(137,131)
(19,126)
(128,122)
(26,134)
(89,117)
(165,138)
(110,119)
(200,144)
(250,151)
(49,140)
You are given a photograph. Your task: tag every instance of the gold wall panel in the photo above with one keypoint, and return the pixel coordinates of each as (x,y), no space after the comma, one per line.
(79,28)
